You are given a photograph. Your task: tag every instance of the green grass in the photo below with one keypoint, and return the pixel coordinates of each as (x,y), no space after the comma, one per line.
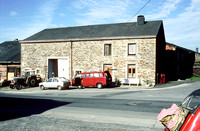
(194,78)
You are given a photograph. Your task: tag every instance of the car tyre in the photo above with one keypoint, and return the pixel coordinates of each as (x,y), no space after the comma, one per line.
(42,87)
(12,87)
(80,86)
(60,88)
(32,82)
(99,85)
(18,86)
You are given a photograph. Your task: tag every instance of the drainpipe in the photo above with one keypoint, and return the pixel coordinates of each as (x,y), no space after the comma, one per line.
(71,59)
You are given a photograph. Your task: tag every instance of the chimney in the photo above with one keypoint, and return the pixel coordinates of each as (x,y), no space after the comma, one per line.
(197,50)
(15,39)
(140,20)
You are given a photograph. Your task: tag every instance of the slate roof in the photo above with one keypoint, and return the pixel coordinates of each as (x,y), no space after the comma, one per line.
(130,29)
(10,52)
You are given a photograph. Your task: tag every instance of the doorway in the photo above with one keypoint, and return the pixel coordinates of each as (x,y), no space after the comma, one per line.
(58,68)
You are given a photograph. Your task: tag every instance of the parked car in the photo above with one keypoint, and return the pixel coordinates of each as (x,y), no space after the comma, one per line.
(92,79)
(188,114)
(55,82)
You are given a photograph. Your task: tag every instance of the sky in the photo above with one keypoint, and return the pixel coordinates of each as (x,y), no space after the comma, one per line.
(23,18)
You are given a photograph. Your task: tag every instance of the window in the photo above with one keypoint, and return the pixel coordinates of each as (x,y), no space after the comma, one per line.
(88,75)
(107,50)
(37,71)
(55,80)
(49,80)
(97,74)
(131,71)
(131,49)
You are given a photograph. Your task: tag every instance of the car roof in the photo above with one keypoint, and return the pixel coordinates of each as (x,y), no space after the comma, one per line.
(195,93)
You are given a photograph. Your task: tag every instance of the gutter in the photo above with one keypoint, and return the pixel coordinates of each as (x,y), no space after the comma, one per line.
(9,62)
(88,39)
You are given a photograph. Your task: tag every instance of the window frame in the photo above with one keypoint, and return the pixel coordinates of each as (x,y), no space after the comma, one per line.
(109,50)
(134,53)
(133,75)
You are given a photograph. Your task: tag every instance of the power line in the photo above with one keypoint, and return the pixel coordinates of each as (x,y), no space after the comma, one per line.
(139,10)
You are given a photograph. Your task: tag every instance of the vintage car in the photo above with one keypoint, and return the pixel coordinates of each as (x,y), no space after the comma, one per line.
(55,82)
(92,79)
(186,117)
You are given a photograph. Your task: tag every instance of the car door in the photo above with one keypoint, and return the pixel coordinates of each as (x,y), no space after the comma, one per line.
(87,80)
(55,83)
(48,83)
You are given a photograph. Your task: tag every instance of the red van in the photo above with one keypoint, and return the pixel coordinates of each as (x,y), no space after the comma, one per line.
(92,79)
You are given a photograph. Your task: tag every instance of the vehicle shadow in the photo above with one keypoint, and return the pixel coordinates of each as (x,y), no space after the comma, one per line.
(12,108)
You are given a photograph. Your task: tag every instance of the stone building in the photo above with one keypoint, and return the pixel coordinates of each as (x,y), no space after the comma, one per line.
(131,50)
(9,60)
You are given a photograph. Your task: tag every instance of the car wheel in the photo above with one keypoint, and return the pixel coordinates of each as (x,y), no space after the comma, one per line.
(99,85)
(18,87)
(42,87)
(59,87)
(12,86)
(80,86)
(32,82)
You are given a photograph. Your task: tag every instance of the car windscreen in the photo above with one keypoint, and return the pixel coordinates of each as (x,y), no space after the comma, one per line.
(191,102)
(49,80)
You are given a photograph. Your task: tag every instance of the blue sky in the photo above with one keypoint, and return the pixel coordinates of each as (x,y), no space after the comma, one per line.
(23,18)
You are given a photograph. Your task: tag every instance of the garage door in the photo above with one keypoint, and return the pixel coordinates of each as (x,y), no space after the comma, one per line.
(63,68)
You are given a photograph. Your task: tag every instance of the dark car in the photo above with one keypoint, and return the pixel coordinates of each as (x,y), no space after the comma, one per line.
(187,115)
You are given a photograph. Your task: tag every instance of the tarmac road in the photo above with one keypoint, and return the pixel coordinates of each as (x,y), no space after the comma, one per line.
(124,108)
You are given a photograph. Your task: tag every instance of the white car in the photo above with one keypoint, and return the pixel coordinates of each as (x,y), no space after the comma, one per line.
(55,82)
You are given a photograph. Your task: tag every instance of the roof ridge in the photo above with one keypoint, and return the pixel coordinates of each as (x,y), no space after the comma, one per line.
(98,25)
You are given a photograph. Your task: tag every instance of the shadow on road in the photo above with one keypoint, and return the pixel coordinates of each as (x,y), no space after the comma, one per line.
(12,108)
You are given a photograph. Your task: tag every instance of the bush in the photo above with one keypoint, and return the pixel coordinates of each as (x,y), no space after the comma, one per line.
(194,78)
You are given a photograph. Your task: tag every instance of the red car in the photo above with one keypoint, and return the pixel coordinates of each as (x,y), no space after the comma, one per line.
(188,117)
(92,79)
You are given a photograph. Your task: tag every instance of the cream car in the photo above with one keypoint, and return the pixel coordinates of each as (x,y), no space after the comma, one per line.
(55,82)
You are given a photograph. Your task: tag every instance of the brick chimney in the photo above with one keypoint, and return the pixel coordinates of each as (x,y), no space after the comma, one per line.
(140,20)
(197,50)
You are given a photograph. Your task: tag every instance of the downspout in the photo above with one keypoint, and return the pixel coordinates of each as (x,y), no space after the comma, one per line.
(71,59)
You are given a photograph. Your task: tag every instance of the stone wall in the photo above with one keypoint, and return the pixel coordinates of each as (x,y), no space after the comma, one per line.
(35,55)
(89,56)
(3,72)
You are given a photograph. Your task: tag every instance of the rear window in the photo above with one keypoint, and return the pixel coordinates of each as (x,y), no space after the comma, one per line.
(98,75)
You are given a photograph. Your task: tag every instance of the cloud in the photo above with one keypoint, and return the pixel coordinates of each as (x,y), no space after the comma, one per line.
(184,30)
(13,13)
(164,10)
(94,11)
(42,19)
